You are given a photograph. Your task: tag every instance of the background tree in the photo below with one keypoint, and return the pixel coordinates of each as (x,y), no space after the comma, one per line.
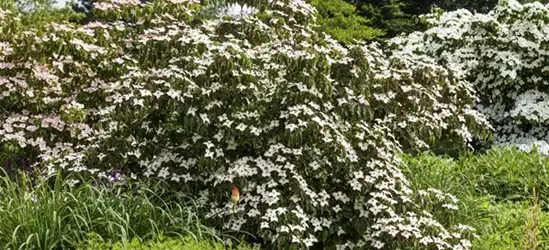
(341,20)
(392,16)
(395,17)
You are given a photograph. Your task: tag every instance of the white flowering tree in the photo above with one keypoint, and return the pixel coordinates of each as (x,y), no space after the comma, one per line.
(308,130)
(503,53)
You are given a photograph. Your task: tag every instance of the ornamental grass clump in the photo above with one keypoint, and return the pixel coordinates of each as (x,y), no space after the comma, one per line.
(64,212)
(309,131)
(503,54)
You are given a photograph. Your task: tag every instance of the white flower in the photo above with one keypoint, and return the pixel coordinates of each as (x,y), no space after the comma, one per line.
(291,127)
(235,10)
(138,102)
(450,206)
(241,127)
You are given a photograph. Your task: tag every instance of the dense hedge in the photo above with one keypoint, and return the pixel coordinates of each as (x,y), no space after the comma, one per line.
(308,130)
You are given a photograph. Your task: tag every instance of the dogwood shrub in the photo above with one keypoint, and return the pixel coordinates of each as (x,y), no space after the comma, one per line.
(308,130)
(503,53)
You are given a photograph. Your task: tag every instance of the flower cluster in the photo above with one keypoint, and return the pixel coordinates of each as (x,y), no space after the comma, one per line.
(502,53)
(308,130)
(236,10)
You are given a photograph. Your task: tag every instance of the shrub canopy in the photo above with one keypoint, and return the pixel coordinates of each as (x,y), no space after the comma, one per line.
(502,53)
(307,129)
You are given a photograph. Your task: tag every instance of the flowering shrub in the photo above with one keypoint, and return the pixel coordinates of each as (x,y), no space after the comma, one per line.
(503,54)
(309,131)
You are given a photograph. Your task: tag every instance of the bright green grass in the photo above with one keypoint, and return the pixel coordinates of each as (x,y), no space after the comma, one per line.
(507,226)
(161,243)
(495,192)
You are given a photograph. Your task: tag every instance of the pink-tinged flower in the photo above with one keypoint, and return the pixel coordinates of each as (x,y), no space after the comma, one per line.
(3,14)
(235,195)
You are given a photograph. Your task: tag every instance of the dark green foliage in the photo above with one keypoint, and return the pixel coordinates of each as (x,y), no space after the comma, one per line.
(392,16)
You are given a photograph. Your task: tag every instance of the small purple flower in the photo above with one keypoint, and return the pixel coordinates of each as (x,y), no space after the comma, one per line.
(7,168)
(115,174)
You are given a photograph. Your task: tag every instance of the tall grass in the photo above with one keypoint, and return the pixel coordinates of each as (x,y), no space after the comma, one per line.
(54,213)
(429,171)
(507,174)
(495,194)
(533,224)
